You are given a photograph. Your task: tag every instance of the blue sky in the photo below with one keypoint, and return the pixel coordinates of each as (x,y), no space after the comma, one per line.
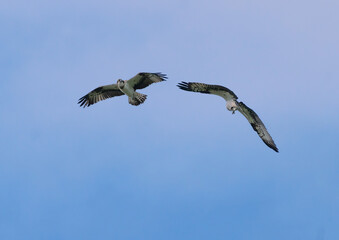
(179,166)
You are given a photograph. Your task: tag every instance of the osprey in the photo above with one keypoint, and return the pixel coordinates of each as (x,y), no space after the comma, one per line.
(232,105)
(128,87)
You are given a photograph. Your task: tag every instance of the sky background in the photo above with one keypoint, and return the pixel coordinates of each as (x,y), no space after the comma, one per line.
(179,166)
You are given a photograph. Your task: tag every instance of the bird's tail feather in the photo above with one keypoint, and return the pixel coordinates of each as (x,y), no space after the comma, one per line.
(137,99)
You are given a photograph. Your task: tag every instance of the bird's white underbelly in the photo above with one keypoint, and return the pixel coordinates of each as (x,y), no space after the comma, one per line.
(128,91)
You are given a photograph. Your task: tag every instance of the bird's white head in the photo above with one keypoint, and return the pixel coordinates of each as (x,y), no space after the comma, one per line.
(231,106)
(120,83)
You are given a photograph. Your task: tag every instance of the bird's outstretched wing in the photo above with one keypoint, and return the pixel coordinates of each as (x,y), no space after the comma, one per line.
(257,125)
(144,79)
(221,91)
(100,93)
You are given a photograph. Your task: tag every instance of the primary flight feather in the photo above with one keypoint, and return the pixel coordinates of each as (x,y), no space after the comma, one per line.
(123,87)
(233,105)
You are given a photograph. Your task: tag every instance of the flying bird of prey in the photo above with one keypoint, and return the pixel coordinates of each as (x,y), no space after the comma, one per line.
(123,87)
(232,105)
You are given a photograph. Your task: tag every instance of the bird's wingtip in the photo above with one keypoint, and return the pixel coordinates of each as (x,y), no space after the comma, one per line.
(183,86)
(163,76)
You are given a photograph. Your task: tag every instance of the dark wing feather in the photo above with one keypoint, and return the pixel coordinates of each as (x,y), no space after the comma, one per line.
(257,125)
(143,79)
(221,91)
(100,93)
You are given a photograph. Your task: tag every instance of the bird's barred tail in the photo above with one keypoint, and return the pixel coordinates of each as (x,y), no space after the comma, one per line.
(138,99)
